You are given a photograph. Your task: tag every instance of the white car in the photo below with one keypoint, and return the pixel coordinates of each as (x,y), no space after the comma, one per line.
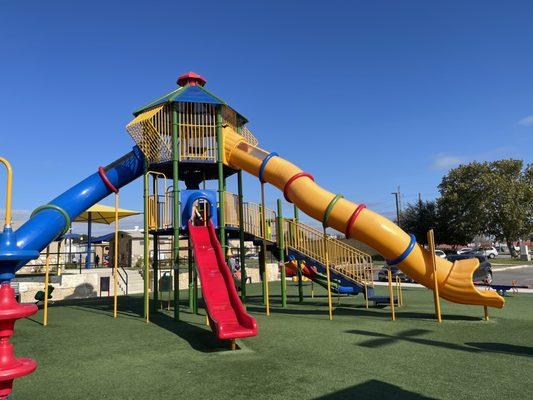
(440,253)
(489,252)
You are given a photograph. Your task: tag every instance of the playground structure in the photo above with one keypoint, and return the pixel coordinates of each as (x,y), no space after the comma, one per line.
(190,135)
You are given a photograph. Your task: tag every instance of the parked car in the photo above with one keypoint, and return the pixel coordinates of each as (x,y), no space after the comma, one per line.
(483,274)
(503,249)
(465,250)
(383,274)
(440,253)
(489,252)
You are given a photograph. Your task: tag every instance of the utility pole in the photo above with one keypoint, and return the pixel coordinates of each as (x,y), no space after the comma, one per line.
(400,205)
(397,200)
(420,201)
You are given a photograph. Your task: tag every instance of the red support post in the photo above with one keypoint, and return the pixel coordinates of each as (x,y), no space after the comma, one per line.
(10,366)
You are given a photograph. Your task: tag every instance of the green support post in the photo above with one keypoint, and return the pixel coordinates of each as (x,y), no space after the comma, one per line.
(300,283)
(241,237)
(146,241)
(190,276)
(176,207)
(155,304)
(194,278)
(221,183)
(281,245)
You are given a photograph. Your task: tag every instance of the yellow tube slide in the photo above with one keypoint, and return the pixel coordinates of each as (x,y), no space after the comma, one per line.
(454,279)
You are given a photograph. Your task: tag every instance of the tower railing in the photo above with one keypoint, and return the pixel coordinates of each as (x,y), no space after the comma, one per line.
(152,131)
(251,218)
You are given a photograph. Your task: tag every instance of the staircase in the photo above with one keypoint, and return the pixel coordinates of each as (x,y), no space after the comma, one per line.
(344,260)
(130,281)
(303,240)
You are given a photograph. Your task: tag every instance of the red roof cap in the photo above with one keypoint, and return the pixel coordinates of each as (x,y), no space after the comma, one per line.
(191,79)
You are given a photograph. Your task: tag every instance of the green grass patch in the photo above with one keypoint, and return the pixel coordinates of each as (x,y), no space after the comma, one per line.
(298,354)
(509,261)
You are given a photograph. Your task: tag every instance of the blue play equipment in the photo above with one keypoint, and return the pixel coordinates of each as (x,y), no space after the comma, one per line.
(52,220)
(189,197)
(345,286)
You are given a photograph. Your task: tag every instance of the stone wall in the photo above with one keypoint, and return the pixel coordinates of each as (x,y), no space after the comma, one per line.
(65,286)
(87,284)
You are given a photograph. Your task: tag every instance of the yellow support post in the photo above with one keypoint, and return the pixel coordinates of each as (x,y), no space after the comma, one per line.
(391,295)
(146,252)
(436,299)
(9,191)
(366,295)
(263,234)
(115,262)
(330,305)
(161,304)
(399,292)
(46,277)
(170,288)
(486,313)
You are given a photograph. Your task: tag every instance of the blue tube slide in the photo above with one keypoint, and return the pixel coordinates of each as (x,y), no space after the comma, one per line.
(50,221)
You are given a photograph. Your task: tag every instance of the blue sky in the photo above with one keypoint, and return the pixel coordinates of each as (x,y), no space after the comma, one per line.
(365,95)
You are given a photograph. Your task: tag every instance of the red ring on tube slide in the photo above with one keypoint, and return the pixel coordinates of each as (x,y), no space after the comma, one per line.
(107,182)
(352,219)
(292,179)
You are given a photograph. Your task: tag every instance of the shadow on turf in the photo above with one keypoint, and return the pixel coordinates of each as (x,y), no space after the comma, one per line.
(503,348)
(255,304)
(412,336)
(200,338)
(372,390)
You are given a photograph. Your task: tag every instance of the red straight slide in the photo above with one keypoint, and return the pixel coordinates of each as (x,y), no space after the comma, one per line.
(227,316)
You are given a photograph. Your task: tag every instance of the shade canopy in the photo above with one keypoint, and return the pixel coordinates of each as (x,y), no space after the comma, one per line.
(102,214)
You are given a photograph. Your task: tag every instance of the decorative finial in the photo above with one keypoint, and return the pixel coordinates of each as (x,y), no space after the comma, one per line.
(191,79)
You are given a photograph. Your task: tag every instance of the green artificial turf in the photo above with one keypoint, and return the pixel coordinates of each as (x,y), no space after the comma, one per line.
(298,354)
(509,261)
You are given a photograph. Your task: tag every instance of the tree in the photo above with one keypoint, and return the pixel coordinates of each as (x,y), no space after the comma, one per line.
(510,201)
(420,217)
(462,203)
(487,198)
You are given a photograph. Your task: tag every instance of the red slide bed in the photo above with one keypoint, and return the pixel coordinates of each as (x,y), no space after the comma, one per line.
(227,315)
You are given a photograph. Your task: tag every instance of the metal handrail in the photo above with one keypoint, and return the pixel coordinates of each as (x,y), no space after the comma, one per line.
(343,259)
(124,280)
